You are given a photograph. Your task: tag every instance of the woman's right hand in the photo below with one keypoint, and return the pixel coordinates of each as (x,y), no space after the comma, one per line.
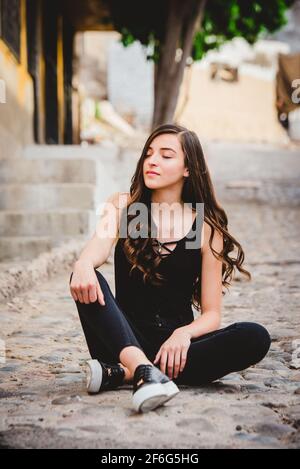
(84,285)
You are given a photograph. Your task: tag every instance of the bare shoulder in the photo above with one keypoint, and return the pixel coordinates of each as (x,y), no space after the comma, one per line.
(217,241)
(119,199)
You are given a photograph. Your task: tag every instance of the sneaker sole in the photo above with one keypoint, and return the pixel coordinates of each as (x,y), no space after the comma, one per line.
(95,379)
(151,396)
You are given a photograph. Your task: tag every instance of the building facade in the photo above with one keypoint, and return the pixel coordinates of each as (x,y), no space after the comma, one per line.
(36,54)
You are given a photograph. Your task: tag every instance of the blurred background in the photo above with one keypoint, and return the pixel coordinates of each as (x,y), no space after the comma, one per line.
(83,82)
(82,85)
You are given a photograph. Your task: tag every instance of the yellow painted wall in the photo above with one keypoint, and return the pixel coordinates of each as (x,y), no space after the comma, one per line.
(16,115)
(60,81)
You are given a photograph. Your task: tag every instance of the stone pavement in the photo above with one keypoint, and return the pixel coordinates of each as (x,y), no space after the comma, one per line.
(42,384)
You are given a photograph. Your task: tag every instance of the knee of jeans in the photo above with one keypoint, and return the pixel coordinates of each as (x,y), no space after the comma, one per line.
(256,338)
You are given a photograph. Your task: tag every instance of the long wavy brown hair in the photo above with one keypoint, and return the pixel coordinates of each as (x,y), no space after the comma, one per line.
(197,188)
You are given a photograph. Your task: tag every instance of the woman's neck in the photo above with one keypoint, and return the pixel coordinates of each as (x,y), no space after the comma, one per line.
(169,196)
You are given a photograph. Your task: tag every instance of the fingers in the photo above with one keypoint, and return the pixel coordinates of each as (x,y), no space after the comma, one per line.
(74,295)
(163,361)
(174,363)
(157,358)
(100,295)
(170,364)
(85,294)
(79,294)
(92,292)
(177,363)
(88,294)
(183,358)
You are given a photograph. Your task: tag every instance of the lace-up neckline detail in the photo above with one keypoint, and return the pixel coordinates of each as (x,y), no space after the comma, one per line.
(160,245)
(163,245)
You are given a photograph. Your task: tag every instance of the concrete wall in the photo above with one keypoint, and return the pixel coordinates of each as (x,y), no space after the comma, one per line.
(290,33)
(131,82)
(16,114)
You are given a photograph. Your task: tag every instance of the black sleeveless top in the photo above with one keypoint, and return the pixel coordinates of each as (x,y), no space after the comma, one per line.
(167,304)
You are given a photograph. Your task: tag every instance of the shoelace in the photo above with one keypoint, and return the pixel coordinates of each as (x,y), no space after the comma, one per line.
(145,373)
(115,374)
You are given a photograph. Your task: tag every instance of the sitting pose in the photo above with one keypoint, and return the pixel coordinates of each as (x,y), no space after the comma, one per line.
(147,334)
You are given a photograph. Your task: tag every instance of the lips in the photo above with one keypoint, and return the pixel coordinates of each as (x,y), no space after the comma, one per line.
(152,172)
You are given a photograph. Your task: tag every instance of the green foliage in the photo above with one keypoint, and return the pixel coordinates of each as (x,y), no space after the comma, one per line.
(223,20)
(97,110)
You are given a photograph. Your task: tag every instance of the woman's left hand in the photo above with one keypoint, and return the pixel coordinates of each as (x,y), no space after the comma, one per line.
(174,352)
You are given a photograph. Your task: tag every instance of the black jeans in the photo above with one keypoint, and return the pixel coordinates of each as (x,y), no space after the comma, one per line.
(108,330)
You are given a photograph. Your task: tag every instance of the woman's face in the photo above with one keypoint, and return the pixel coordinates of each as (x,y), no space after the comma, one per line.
(164,157)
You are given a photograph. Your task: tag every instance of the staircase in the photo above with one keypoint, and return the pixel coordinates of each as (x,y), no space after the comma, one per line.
(50,196)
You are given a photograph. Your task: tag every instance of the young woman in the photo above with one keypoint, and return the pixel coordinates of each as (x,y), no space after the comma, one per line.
(147,334)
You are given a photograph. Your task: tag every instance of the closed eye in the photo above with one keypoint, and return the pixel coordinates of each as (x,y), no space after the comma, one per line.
(169,157)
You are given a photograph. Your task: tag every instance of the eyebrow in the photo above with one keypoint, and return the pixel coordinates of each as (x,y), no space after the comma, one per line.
(163,148)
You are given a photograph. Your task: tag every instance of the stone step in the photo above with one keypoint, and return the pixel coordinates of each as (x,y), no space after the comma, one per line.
(270,192)
(52,193)
(24,247)
(37,171)
(60,222)
(29,247)
(30,197)
(107,150)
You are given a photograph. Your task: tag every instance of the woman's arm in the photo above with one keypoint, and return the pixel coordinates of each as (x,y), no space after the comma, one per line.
(84,285)
(211,287)
(98,248)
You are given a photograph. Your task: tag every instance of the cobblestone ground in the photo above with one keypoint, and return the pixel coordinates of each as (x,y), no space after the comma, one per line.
(42,391)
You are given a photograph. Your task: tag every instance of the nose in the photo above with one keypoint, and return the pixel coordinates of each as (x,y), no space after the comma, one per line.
(153,160)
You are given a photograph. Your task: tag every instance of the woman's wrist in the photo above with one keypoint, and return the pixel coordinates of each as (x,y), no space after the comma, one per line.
(84,263)
(185,330)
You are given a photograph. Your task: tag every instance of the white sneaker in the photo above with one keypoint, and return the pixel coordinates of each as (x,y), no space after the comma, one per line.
(103,377)
(151,388)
